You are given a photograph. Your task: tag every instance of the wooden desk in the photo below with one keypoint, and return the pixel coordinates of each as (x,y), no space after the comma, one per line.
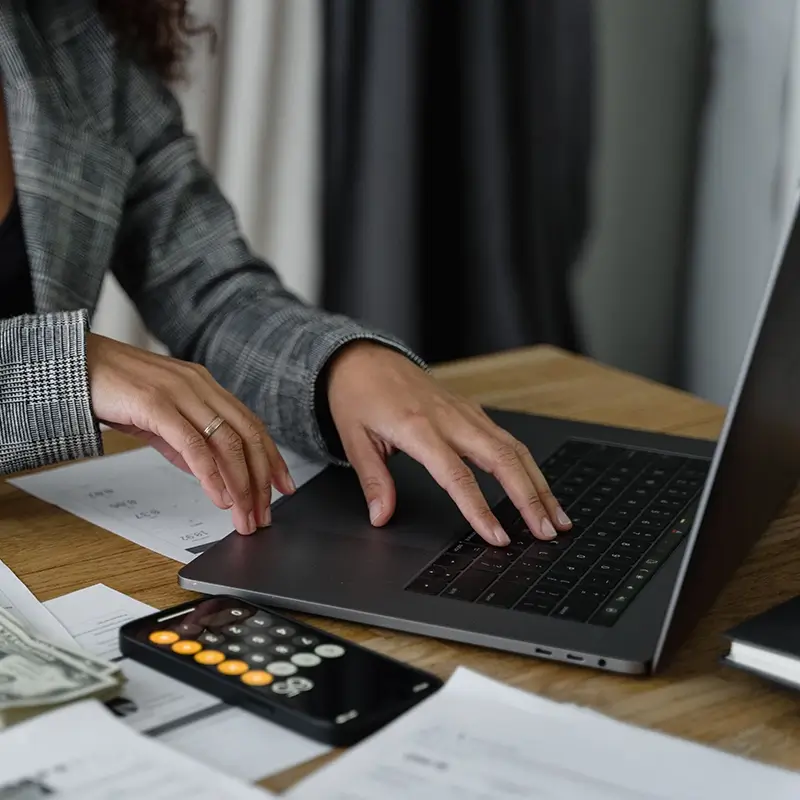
(695,697)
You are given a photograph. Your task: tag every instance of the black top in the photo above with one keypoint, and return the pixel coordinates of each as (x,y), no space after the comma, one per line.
(16,293)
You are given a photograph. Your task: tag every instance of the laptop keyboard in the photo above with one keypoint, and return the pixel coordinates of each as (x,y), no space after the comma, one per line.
(630,509)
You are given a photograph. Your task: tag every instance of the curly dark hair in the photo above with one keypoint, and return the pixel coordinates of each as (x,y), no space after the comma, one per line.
(155,32)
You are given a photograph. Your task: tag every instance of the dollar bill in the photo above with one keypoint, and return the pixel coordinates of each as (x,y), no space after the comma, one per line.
(36,675)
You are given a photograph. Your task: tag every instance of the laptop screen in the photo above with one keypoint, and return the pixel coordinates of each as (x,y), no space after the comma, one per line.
(757,461)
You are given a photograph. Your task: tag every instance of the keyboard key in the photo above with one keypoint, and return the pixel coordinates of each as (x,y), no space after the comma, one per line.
(652,524)
(504,555)
(522,577)
(440,572)
(457,563)
(542,553)
(428,585)
(570,570)
(574,610)
(465,549)
(640,535)
(579,557)
(634,546)
(590,596)
(559,581)
(588,544)
(610,568)
(626,560)
(532,605)
(600,581)
(603,533)
(533,565)
(491,565)
(503,594)
(547,592)
(469,585)
(617,524)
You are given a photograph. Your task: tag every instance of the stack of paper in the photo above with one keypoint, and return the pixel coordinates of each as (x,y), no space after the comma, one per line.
(140,496)
(81,752)
(481,740)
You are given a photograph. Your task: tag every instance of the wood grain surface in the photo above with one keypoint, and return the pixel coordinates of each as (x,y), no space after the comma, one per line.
(694,697)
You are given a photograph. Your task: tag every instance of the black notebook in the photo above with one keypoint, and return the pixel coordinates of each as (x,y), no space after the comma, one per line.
(769,644)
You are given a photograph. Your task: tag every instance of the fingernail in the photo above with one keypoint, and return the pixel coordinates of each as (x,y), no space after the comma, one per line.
(251,521)
(501,537)
(290,483)
(563,519)
(548,531)
(267,516)
(375,508)
(226,498)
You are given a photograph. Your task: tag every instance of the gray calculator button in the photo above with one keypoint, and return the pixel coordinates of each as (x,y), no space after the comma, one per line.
(258,658)
(329,650)
(306,641)
(259,621)
(258,640)
(280,669)
(211,638)
(282,631)
(281,650)
(305,660)
(293,686)
(233,630)
(234,649)
(238,612)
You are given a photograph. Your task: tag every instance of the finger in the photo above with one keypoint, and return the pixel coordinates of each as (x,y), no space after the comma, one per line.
(457,479)
(178,432)
(376,482)
(248,423)
(500,458)
(229,453)
(556,513)
(257,456)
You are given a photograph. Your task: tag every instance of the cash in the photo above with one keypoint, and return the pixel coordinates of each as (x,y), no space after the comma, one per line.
(37,675)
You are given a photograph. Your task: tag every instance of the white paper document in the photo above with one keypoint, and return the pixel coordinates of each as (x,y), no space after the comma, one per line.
(140,496)
(81,752)
(18,600)
(186,719)
(476,739)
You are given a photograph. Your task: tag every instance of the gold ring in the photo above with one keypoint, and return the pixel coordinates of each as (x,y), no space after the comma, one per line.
(212,427)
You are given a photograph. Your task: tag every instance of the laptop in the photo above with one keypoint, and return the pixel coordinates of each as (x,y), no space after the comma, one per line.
(661,522)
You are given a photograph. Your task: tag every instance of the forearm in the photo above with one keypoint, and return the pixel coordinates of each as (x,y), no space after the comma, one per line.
(45,409)
(272,351)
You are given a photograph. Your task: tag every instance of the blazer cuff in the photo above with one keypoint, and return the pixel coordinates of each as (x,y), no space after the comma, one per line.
(45,408)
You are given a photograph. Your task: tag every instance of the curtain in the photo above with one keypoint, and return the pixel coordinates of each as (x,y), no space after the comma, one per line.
(253,104)
(456,149)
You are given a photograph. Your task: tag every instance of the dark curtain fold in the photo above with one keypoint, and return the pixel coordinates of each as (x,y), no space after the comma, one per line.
(457,143)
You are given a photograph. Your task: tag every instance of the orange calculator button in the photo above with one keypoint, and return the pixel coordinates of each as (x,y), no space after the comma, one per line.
(186,647)
(163,637)
(257,677)
(209,657)
(232,667)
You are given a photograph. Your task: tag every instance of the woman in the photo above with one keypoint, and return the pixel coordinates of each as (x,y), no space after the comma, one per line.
(97,174)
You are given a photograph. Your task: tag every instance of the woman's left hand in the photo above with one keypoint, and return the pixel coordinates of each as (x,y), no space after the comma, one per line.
(381,401)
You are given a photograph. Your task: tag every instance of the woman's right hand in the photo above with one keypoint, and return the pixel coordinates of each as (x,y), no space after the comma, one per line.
(168,404)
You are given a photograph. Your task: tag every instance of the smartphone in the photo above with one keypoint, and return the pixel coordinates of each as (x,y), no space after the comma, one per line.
(298,676)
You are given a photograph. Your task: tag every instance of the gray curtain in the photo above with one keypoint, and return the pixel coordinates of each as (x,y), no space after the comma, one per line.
(457,142)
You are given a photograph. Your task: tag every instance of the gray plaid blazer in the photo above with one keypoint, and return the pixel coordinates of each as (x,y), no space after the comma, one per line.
(109,180)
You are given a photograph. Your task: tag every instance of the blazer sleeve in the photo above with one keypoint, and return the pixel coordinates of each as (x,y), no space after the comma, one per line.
(205,295)
(45,408)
